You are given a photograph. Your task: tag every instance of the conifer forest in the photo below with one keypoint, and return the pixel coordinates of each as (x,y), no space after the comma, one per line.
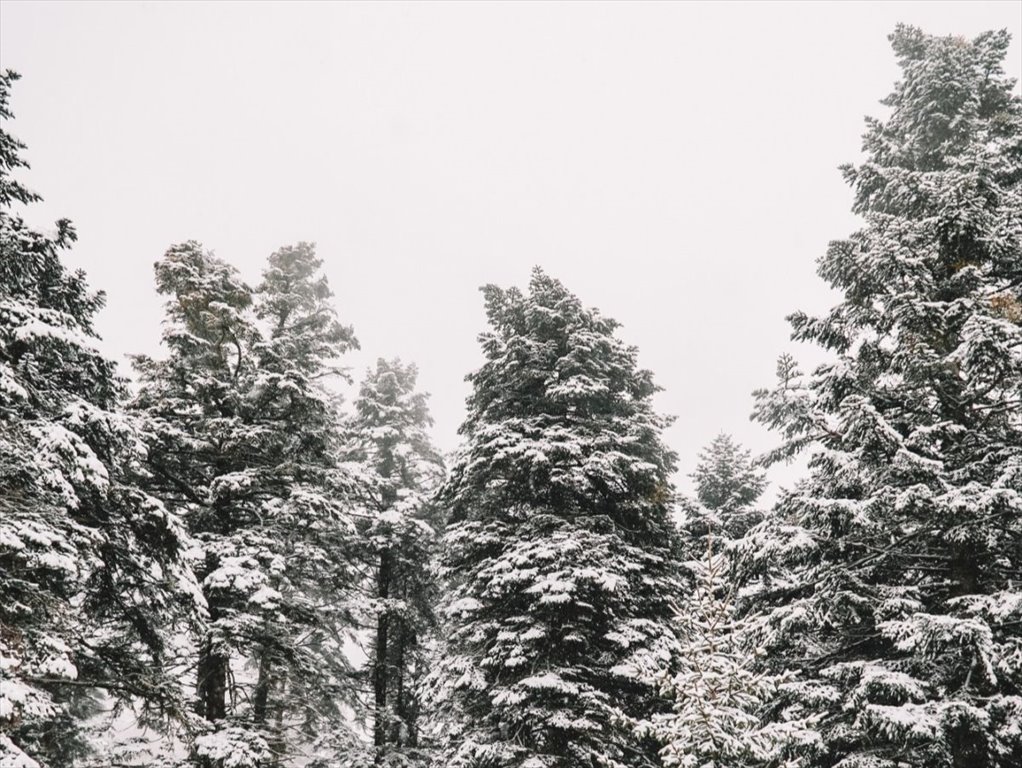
(237,552)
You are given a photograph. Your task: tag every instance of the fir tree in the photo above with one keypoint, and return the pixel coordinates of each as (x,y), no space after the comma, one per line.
(893,569)
(391,420)
(719,691)
(559,548)
(247,450)
(91,580)
(199,456)
(304,678)
(728,484)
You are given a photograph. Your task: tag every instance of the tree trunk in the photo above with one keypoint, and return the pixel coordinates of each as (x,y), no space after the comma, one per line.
(212,670)
(211,687)
(964,571)
(398,731)
(261,696)
(276,737)
(380,670)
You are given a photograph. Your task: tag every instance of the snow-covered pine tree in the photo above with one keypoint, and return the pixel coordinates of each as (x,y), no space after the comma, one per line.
(559,548)
(391,423)
(305,683)
(201,455)
(893,569)
(91,579)
(719,691)
(247,450)
(728,483)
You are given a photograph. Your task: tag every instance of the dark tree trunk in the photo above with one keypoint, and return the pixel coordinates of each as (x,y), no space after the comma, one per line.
(380,669)
(261,696)
(964,571)
(212,684)
(399,682)
(212,670)
(276,738)
(211,687)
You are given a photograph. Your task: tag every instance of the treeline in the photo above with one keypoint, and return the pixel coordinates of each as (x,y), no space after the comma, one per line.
(223,566)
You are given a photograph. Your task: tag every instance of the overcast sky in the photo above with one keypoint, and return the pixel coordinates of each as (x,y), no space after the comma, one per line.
(674,164)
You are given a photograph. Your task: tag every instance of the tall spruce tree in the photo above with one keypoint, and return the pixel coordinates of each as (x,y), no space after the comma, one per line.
(391,422)
(247,449)
(728,484)
(201,457)
(893,569)
(719,692)
(305,681)
(91,580)
(559,549)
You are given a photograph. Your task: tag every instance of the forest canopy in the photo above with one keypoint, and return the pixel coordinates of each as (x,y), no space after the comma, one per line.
(242,557)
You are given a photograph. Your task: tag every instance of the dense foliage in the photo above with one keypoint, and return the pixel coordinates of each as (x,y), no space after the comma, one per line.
(559,551)
(401,529)
(893,568)
(246,447)
(92,584)
(225,565)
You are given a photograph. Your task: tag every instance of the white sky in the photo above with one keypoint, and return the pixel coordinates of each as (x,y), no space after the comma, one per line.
(673,164)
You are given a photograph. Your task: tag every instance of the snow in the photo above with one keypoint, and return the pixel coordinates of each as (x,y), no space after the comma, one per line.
(47,325)
(234,747)
(549,681)
(391,517)
(12,757)
(266,598)
(240,574)
(13,695)
(464,605)
(10,386)
(908,722)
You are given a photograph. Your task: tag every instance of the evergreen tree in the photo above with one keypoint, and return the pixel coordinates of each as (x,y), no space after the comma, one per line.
(893,568)
(391,423)
(305,680)
(247,450)
(559,548)
(719,691)
(91,580)
(200,461)
(728,484)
